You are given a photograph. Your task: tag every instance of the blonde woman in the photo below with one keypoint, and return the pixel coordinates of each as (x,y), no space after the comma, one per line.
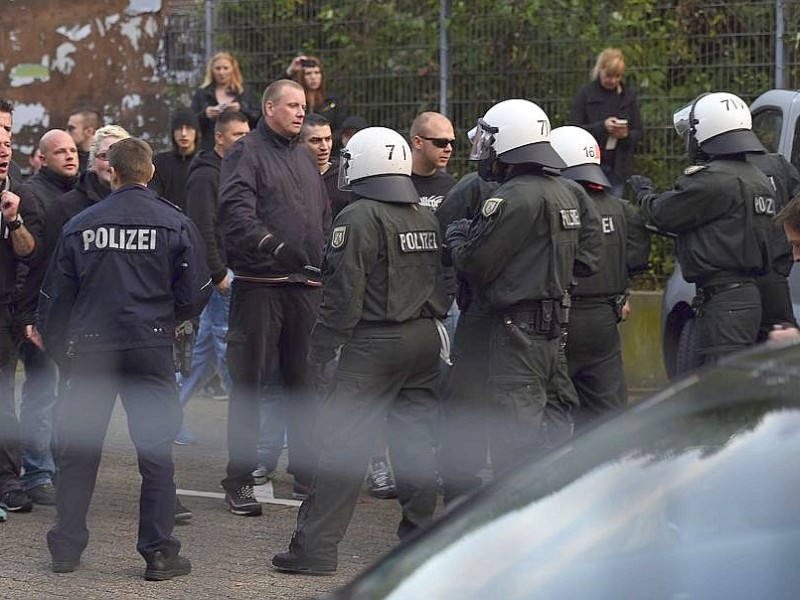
(222,89)
(608,109)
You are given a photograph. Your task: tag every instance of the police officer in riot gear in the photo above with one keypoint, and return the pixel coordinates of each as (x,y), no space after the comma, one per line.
(721,211)
(518,255)
(383,293)
(594,353)
(776,300)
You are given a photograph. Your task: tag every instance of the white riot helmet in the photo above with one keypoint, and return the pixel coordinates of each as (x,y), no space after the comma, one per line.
(376,164)
(580,151)
(719,123)
(515,132)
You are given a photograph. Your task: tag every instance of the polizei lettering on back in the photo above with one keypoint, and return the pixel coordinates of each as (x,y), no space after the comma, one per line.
(418,241)
(140,239)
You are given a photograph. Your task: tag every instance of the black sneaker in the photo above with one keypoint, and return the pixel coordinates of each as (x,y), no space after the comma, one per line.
(242,502)
(294,563)
(381,480)
(262,475)
(44,494)
(65,565)
(16,501)
(163,568)
(182,513)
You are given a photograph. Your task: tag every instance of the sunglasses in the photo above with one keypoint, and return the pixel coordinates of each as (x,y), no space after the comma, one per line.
(440,142)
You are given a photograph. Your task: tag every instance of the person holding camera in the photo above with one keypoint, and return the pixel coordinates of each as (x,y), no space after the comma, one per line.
(608,109)
(222,89)
(308,72)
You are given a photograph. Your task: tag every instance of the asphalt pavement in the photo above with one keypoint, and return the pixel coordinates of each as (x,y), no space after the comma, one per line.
(230,554)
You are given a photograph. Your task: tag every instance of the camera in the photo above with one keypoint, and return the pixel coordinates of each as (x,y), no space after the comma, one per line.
(307,64)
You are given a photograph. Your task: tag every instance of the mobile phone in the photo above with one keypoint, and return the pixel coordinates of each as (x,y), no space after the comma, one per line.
(222,106)
(307,64)
(622,122)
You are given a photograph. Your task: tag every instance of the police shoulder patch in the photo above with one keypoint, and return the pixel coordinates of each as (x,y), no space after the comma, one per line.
(338,236)
(490,206)
(694,169)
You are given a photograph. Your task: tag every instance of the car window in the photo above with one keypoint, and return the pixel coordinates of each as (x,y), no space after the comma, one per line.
(767,125)
(795,158)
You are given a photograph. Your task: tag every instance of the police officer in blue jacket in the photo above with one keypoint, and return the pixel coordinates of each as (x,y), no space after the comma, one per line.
(125,271)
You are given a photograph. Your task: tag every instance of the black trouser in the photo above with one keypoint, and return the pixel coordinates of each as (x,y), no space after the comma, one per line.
(10,462)
(386,373)
(465,406)
(728,319)
(265,320)
(776,303)
(533,397)
(594,358)
(144,378)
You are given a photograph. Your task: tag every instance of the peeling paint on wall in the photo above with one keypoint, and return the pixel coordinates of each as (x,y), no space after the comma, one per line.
(97,54)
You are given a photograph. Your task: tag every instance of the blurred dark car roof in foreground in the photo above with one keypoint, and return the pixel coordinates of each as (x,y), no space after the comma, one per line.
(692,493)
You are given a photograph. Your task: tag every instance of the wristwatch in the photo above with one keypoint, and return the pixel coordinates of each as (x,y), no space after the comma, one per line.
(15,224)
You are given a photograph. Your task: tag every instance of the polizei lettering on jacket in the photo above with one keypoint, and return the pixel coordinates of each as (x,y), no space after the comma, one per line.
(140,239)
(418,241)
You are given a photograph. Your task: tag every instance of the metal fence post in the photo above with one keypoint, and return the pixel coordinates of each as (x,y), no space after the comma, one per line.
(209,29)
(443,57)
(779,29)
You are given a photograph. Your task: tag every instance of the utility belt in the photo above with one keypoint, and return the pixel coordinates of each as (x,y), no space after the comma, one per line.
(706,292)
(541,318)
(617,302)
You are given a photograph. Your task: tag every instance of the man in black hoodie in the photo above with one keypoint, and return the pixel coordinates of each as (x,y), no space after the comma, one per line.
(202,206)
(58,175)
(172,166)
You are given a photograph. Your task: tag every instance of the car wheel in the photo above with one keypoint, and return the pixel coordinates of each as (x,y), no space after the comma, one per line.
(687,359)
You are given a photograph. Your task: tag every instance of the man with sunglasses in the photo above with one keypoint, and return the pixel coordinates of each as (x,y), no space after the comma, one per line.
(432,143)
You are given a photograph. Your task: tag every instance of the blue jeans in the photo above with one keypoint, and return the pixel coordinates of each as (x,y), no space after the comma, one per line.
(208,353)
(36,416)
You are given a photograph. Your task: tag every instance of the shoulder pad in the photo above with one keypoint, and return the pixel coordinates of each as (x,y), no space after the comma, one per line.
(171,204)
(490,206)
(694,169)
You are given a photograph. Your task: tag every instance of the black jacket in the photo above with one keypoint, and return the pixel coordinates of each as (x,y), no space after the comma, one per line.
(592,106)
(10,263)
(125,271)
(206,96)
(88,191)
(48,188)
(172,171)
(202,206)
(269,184)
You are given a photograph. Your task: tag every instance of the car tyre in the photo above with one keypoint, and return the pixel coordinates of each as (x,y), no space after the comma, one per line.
(687,358)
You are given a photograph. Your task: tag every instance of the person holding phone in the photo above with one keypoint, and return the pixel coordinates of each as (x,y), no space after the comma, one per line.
(608,109)
(309,72)
(222,89)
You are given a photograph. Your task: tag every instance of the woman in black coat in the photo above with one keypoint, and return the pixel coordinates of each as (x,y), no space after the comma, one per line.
(309,72)
(222,89)
(608,109)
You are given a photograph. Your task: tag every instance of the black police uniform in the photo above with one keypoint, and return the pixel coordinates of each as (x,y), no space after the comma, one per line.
(464,425)
(519,256)
(382,294)
(722,214)
(776,300)
(125,271)
(594,354)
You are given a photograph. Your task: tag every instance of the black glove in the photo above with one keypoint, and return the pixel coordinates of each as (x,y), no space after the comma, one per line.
(290,257)
(457,232)
(642,186)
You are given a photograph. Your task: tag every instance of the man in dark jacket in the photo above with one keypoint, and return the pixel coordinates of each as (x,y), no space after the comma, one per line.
(172,166)
(124,272)
(57,176)
(275,216)
(208,352)
(19,236)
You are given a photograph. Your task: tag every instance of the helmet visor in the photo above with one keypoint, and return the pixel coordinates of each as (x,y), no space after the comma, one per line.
(682,119)
(343,181)
(483,141)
